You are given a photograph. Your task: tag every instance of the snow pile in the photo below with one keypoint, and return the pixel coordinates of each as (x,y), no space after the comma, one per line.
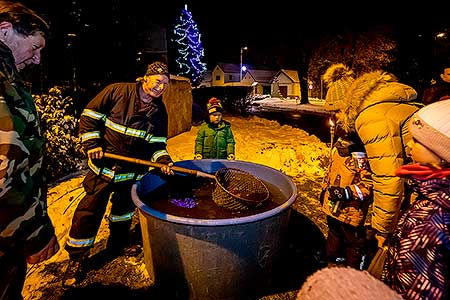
(289,150)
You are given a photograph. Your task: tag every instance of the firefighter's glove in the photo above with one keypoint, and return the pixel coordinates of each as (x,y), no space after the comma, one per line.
(166,169)
(340,194)
(95,153)
(230,157)
(198,156)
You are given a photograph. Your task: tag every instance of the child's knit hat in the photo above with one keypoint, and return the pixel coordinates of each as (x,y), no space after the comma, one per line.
(214,105)
(338,78)
(431,127)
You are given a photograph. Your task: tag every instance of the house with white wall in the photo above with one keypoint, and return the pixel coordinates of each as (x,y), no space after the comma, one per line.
(225,75)
(259,80)
(284,83)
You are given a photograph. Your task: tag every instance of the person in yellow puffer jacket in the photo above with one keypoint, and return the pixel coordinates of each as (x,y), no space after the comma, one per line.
(377,108)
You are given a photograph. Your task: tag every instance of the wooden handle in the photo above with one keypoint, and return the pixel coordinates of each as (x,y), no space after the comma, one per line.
(156,165)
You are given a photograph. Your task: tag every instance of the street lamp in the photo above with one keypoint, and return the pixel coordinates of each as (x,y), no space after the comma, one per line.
(240,67)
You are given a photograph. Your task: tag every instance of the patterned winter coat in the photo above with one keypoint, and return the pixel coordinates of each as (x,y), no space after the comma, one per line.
(215,141)
(418,262)
(25,227)
(377,107)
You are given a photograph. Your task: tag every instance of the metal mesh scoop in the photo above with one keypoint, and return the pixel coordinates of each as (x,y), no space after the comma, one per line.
(238,190)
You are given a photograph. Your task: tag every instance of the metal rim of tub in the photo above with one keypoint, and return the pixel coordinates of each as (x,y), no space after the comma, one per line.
(217,222)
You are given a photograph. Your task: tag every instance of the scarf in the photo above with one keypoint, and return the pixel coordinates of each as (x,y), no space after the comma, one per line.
(422,172)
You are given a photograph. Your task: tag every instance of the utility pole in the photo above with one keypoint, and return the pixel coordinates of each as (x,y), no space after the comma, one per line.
(240,66)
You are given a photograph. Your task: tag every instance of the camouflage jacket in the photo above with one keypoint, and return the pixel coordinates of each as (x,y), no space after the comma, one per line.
(25,227)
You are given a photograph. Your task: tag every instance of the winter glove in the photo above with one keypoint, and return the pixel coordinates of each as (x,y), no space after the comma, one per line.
(230,157)
(198,156)
(95,153)
(340,194)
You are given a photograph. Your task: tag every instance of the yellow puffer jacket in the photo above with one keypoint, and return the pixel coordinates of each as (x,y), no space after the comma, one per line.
(378,108)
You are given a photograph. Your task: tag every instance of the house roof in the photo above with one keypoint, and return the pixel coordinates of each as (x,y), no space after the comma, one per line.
(262,76)
(229,68)
(291,74)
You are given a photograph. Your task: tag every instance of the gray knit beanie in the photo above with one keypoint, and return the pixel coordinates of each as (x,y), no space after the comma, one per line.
(431,127)
(340,283)
(338,78)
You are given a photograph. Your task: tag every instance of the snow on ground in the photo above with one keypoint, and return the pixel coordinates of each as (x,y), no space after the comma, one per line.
(315,105)
(284,148)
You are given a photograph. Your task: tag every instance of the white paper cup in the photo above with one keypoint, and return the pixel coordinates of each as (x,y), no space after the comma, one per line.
(360,159)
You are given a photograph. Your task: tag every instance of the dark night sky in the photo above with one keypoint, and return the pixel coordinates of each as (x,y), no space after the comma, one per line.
(266,28)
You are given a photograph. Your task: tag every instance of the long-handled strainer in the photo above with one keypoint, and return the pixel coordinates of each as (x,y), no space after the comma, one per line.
(235,189)
(158,165)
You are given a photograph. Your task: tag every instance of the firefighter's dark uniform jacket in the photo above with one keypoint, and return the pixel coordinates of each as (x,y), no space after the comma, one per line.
(119,122)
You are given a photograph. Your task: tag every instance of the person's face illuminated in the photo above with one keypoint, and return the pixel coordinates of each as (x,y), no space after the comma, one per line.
(446,75)
(25,49)
(421,154)
(155,85)
(215,117)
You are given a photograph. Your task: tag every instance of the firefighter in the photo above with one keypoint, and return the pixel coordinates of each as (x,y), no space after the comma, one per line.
(128,119)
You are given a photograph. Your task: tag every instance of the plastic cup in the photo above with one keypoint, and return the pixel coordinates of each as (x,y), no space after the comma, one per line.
(360,159)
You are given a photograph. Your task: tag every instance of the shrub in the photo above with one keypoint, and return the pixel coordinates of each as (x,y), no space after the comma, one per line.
(60,126)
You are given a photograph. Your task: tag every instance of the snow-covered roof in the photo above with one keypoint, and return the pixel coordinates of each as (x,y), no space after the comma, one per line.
(262,76)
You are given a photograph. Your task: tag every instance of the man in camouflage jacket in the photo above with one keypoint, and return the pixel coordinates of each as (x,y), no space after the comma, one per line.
(26,232)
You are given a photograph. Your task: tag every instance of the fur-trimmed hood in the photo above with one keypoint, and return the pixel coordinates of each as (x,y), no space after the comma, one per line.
(369,89)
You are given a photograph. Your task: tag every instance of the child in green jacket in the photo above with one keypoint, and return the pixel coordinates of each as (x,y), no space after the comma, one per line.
(214,137)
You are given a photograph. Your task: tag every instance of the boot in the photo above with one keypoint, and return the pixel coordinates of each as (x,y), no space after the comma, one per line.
(75,273)
(119,238)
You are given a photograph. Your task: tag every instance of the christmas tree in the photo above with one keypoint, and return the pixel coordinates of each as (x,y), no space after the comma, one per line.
(189,47)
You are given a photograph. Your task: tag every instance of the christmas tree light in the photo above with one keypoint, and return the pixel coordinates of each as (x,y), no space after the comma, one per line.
(189,47)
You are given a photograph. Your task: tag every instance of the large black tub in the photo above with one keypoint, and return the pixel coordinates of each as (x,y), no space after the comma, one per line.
(214,259)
